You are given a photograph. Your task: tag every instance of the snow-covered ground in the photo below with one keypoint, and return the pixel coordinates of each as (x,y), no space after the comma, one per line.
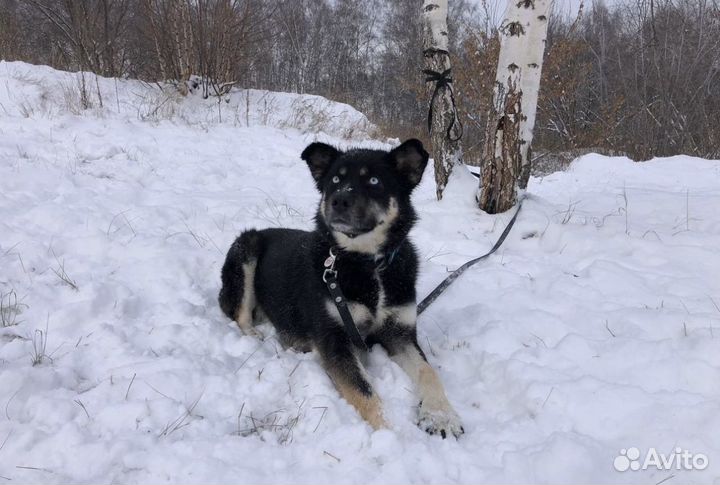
(595,328)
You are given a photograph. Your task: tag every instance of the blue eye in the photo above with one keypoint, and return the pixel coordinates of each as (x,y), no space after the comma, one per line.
(374,181)
(336,179)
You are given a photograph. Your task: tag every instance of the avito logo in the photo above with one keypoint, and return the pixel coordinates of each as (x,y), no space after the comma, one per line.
(678,459)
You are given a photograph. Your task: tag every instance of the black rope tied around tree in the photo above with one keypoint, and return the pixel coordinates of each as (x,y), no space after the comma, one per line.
(443,80)
(431,51)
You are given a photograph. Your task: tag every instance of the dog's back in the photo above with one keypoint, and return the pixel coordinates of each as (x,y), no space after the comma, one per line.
(269,270)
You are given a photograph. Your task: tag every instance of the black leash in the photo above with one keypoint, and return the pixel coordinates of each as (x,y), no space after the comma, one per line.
(330,279)
(427,301)
(443,80)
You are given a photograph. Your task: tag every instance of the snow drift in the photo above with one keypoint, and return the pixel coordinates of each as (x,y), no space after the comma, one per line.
(42,92)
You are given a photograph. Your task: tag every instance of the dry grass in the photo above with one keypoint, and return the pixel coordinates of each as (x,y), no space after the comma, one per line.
(62,274)
(10,309)
(39,340)
(279,422)
(183,420)
(279,214)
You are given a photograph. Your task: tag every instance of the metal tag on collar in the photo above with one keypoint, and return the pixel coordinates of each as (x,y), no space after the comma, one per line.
(330,261)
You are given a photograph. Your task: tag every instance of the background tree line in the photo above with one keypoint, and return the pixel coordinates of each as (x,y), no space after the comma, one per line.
(639,77)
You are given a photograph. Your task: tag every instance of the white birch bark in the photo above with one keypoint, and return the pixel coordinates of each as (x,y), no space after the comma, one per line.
(435,18)
(446,150)
(509,134)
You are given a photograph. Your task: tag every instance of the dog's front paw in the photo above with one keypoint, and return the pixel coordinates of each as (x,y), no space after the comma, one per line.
(440,421)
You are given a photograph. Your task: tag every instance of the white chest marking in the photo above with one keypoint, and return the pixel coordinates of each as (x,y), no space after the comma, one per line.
(365,319)
(361,314)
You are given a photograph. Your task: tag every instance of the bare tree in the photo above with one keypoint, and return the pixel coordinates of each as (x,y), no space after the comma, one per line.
(443,123)
(91,33)
(207,38)
(506,161)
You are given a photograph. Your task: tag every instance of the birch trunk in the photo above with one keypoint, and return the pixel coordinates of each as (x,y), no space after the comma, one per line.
(447,151)
(509,132)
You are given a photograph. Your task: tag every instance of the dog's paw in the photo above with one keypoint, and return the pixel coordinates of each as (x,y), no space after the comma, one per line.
(252,332)
(444,422)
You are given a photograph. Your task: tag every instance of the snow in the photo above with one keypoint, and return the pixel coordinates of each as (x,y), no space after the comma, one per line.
(41,92)
(592,330)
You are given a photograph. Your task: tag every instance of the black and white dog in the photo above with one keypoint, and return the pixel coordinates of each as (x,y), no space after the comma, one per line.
(362,224)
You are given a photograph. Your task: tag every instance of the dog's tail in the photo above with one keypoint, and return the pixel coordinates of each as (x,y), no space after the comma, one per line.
(237,296)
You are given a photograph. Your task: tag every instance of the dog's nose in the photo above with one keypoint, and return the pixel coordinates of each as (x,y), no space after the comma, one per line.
(341,201)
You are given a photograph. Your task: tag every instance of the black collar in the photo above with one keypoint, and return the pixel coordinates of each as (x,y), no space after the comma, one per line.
(383,260)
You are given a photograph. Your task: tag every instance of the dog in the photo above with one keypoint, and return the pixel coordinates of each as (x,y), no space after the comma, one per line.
(361,238)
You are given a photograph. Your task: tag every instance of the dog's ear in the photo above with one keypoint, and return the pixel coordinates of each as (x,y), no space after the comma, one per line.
(319,157)
(410,160)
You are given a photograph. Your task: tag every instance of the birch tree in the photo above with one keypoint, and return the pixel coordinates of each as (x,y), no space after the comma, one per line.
(443,122)
(509,132)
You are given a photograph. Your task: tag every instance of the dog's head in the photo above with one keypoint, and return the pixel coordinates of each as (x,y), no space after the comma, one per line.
(366,193)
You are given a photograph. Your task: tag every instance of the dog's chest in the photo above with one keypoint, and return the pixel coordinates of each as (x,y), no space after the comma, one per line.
(364,288)
(365,295)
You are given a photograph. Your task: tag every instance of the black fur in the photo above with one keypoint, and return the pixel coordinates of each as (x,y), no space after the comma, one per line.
(363,191)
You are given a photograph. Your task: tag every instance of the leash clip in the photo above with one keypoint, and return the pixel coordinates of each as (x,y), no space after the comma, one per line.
(330,272)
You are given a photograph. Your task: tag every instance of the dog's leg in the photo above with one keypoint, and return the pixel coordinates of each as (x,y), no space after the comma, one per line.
(244,314)
(237,296)
(346,371)
(436,415)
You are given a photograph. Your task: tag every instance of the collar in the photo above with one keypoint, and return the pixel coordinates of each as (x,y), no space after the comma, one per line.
(383,260)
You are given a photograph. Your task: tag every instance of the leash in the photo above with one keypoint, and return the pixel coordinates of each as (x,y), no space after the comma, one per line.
(434,294)
(330,279)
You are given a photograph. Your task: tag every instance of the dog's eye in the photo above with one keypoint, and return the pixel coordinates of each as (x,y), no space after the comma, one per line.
(374,181)
(336,179)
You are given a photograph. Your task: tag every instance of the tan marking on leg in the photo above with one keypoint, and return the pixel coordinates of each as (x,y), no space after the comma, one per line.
(244,312)
(431,389)
(369,407)
(424,377)
(436,415)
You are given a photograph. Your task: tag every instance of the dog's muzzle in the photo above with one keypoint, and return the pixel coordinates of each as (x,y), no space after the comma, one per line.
(345,214)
